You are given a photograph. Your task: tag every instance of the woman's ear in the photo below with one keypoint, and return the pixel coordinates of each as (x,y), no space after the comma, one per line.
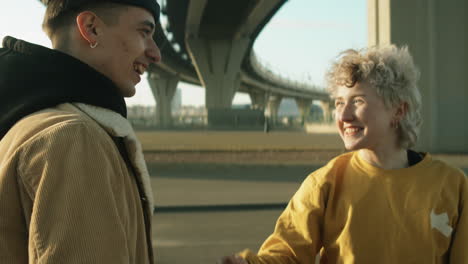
(401,111)
(88,24)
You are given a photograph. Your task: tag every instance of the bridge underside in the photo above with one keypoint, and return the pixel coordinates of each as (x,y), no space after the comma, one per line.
(216,39)
(218,35)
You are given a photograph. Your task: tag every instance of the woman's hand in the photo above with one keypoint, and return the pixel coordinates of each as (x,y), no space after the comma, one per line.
(232,260)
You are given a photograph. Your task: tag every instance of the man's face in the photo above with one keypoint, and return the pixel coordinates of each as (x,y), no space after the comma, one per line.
(127,48)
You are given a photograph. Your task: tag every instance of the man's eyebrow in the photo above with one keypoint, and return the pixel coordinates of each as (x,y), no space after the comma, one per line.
(148,23)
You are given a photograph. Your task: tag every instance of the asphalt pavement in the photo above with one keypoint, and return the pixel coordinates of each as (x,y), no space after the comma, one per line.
(204,237)
(204,212)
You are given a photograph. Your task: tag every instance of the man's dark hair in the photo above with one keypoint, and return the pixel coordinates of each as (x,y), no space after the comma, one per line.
(57,17)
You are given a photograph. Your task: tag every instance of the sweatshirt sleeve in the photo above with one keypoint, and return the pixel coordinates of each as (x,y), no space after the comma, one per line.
(297,235)
(458,249)
(69,174)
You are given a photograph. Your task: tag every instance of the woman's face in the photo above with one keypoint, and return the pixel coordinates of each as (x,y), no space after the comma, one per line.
(362,119)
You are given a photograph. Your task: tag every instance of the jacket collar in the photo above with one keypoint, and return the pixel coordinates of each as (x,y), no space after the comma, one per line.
(33,78)
(117,126)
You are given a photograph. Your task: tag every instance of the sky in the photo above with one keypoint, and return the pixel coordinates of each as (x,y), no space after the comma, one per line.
(299,42)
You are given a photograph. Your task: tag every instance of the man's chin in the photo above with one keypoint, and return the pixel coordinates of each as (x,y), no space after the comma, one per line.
(128,91)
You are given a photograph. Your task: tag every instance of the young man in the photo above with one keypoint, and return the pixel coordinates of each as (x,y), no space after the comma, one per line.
(74,187)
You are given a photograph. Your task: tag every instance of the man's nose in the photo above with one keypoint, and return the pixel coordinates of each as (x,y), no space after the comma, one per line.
(153,52)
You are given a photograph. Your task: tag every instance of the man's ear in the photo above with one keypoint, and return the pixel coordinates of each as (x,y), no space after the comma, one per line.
(88,24)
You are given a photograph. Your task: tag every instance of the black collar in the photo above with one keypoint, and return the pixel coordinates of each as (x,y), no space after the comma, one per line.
(33,78)
(414,157)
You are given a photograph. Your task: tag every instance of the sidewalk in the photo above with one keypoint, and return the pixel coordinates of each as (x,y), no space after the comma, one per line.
(237,141)
(231,147)
(225,185)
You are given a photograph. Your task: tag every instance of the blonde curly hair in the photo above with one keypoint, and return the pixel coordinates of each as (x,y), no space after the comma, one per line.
(392,72)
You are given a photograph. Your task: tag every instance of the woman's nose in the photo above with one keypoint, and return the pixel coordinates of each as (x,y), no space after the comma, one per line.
(345,114)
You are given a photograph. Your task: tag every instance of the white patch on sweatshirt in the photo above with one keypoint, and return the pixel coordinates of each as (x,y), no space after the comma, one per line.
(441,223)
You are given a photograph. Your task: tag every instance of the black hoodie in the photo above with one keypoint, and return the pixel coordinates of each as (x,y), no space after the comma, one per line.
(33,78)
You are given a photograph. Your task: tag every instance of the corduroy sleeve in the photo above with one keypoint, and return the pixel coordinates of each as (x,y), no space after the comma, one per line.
(68,173)
(297,235)
(458,249)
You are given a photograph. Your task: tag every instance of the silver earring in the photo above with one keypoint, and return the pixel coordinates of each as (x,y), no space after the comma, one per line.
(93,45)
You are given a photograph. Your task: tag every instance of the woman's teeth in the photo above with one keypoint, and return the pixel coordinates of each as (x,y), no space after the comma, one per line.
(352,130)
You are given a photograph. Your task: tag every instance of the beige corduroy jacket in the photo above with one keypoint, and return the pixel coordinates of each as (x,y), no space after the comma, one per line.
(69,194)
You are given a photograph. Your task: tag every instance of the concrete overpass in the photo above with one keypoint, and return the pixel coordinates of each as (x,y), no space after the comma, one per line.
(209,43)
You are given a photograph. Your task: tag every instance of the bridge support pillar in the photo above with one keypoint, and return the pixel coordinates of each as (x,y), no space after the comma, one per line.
(304,108)
(218,63)
(273,104)
(435,33)
(163,87)
(327,111)
(259,100)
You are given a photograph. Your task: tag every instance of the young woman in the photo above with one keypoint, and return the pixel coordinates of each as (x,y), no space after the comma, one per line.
(381,202)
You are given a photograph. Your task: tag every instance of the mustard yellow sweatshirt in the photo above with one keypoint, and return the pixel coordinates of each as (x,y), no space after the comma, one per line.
(352,212)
